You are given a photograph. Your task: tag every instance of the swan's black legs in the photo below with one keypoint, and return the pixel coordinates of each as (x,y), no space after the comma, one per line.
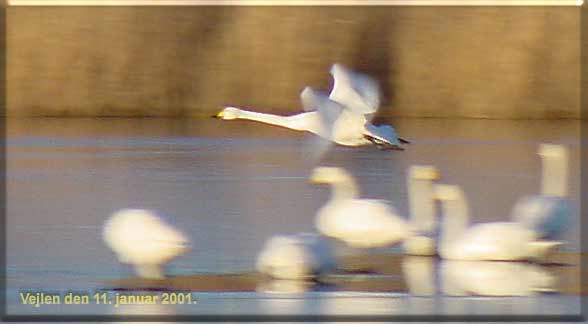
(384,146)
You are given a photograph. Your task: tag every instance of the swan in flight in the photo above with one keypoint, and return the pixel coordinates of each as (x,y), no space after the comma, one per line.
(343,117)
(141,238)
(499,241)
(295,257)
(360,223)
(499,278)
(422,209)
(549,213)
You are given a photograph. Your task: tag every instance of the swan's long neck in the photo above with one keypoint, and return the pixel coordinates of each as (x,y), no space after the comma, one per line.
(554,180)
(422,208)
(455,219)
(292,122)
(344,189)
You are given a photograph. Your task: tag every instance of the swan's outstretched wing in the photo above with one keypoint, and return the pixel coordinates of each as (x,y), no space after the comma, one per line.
(328,111)
(356,91)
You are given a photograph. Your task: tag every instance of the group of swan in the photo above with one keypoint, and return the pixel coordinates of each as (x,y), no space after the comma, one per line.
(141,238)
(366,223)
(343,117)
(144,240)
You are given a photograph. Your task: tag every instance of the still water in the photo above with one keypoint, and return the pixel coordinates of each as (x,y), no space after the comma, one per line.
(231,185)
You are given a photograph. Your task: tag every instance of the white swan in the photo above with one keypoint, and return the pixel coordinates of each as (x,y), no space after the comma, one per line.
(494,278)
(422,210)
(295,257)
(419,276)
(360,223)
(549,213)
(501,241)
(141,238)
(343,117)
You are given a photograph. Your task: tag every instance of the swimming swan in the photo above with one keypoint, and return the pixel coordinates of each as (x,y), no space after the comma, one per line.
(360,223)
(343,117)
(295,257)
(549,213)
(422,209)
(484,278)
(500,241)
(141,238)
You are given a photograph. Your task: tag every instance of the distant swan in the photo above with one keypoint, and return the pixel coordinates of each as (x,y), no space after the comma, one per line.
(484,278)
(343,117)
(141,238)
(360,223)
(500,241)
(550,212)
(422,209)
(295,257)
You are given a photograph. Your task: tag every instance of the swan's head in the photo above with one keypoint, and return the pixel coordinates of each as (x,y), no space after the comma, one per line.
(446,192)
(424,172)
(229,113)
(552,150)
(329,175)
(337,69)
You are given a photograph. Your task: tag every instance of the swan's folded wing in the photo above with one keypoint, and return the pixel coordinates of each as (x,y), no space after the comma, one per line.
(355,91)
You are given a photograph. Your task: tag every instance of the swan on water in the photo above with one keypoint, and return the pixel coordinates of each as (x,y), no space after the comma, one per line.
(360,223)
(549,213)
(494,278)
(419,275)
(141,238)
(295,257)
(422,209)
(343,117)
(500,241)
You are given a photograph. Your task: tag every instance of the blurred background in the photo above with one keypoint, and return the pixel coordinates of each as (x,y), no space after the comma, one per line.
(490,62)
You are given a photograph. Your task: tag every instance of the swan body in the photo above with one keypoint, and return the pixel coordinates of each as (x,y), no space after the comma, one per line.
(500,241)
(360,223)
(421,201)
(483,278)
(295,257)
(141,238)
(343,117)
(550,213)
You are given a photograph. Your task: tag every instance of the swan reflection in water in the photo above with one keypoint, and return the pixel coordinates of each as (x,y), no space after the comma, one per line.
(476,278)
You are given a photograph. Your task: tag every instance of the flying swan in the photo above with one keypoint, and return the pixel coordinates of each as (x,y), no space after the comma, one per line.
(499,241)
(343,117)
(141,238)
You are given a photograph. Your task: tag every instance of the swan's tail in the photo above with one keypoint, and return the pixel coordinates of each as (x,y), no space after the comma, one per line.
(541,250)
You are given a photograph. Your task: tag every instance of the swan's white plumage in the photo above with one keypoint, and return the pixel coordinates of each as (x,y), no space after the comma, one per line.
(483,278)
(422,210)
(549,213)
(357,91)
(141,238)
(504,241)
(343,117)
(361,223)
